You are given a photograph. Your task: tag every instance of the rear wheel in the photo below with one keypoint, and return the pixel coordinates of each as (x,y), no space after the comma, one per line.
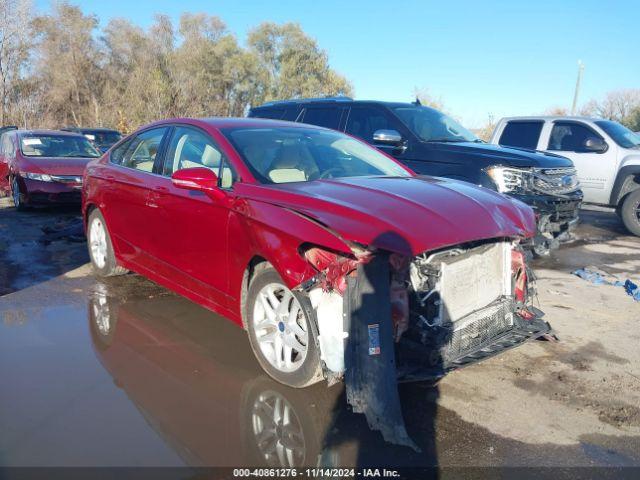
(281,332)
(100,247)
(630,212)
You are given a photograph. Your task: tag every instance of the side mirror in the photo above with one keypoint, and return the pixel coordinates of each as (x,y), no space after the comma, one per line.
(596,145)
(387,137)
(199,178)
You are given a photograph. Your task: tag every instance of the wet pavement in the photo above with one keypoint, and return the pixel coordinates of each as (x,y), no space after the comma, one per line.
(124,373)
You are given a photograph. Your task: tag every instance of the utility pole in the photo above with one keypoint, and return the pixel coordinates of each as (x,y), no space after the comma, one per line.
(575,95)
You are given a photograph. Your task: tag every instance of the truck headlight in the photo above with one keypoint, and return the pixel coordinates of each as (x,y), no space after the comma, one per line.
(507,179)
(43,177)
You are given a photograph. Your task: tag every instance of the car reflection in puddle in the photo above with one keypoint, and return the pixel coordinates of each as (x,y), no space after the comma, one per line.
(195,380)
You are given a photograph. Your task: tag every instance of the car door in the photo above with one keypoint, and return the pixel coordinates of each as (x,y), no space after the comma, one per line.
(364,120)
(127,184)
(5,155)
(192,238)
(595,169)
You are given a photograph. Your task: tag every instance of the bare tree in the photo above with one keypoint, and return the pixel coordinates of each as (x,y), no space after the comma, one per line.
(427,99)
(617,105)
(68,64)
(14,48)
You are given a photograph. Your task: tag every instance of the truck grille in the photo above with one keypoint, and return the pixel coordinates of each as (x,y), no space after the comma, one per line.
(555,181)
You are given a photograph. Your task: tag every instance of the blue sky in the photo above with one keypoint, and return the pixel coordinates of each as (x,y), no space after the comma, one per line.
(491,57)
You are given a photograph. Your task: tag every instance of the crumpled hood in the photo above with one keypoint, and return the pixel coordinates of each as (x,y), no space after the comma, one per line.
(407,215)
(55,165)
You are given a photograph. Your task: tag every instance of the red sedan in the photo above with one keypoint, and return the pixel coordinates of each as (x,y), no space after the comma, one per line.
(43,166)
(302,235)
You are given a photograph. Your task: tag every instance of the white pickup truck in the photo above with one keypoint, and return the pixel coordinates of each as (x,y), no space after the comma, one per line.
(605,154)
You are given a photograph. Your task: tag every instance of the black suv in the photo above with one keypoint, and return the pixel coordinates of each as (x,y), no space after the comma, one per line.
(103,138)
(432,143)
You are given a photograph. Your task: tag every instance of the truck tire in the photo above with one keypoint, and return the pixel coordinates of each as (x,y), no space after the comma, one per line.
(631,212)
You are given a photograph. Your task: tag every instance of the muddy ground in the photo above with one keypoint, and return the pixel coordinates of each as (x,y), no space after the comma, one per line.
(126,373)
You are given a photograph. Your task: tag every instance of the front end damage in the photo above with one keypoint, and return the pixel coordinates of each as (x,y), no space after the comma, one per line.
(385,318)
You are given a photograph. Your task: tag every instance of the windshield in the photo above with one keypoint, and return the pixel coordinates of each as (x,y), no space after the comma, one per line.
(620,134)
(433,126)
(290,154)
(57,146)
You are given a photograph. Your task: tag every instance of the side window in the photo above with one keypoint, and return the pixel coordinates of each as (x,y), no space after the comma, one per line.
(117,154)
(190,148)
(521,134)
(364,121)
(143,149)
(272,113)
(324,117)
(570,137)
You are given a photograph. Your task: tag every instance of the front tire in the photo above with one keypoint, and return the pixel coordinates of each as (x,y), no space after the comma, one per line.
(18,195)
(281,331)
(100,247)
(630,212)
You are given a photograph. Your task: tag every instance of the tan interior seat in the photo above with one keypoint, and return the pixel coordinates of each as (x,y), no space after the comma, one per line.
(292,163)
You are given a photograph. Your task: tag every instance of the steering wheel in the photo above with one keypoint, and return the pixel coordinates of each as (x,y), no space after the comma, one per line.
(75,153)
(326,173)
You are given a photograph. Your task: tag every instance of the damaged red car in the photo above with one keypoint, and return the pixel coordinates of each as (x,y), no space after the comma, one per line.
(337,260)
(41,167)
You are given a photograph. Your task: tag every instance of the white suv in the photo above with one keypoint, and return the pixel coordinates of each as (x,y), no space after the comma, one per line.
(605,153)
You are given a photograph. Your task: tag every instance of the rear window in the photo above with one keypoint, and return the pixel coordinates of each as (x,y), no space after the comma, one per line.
(271,113)
(521,134)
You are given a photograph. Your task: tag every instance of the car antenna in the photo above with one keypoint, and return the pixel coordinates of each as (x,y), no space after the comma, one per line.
(417,102)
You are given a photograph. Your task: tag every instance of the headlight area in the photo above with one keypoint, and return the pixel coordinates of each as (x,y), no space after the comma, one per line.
(510,180)
(41,177)
(545,181)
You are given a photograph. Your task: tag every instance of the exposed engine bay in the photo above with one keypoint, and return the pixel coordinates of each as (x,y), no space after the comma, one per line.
(384,318)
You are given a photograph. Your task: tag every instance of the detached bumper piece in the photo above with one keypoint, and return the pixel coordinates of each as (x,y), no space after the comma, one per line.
(370,376)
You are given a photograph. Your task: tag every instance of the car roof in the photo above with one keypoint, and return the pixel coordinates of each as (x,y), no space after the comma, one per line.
(231,122)
(90,129)
(46,132)
(552,118)
(333,101)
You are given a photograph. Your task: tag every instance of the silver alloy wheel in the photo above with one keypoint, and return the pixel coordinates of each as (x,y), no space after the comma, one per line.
(277,430)
(638,211)
(15,190)
(280,327)
(98,243)
(101,314)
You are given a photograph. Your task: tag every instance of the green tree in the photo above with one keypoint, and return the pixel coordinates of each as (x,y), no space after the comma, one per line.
(292,65)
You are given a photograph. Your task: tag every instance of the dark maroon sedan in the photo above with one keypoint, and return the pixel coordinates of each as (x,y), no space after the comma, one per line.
(43,166)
